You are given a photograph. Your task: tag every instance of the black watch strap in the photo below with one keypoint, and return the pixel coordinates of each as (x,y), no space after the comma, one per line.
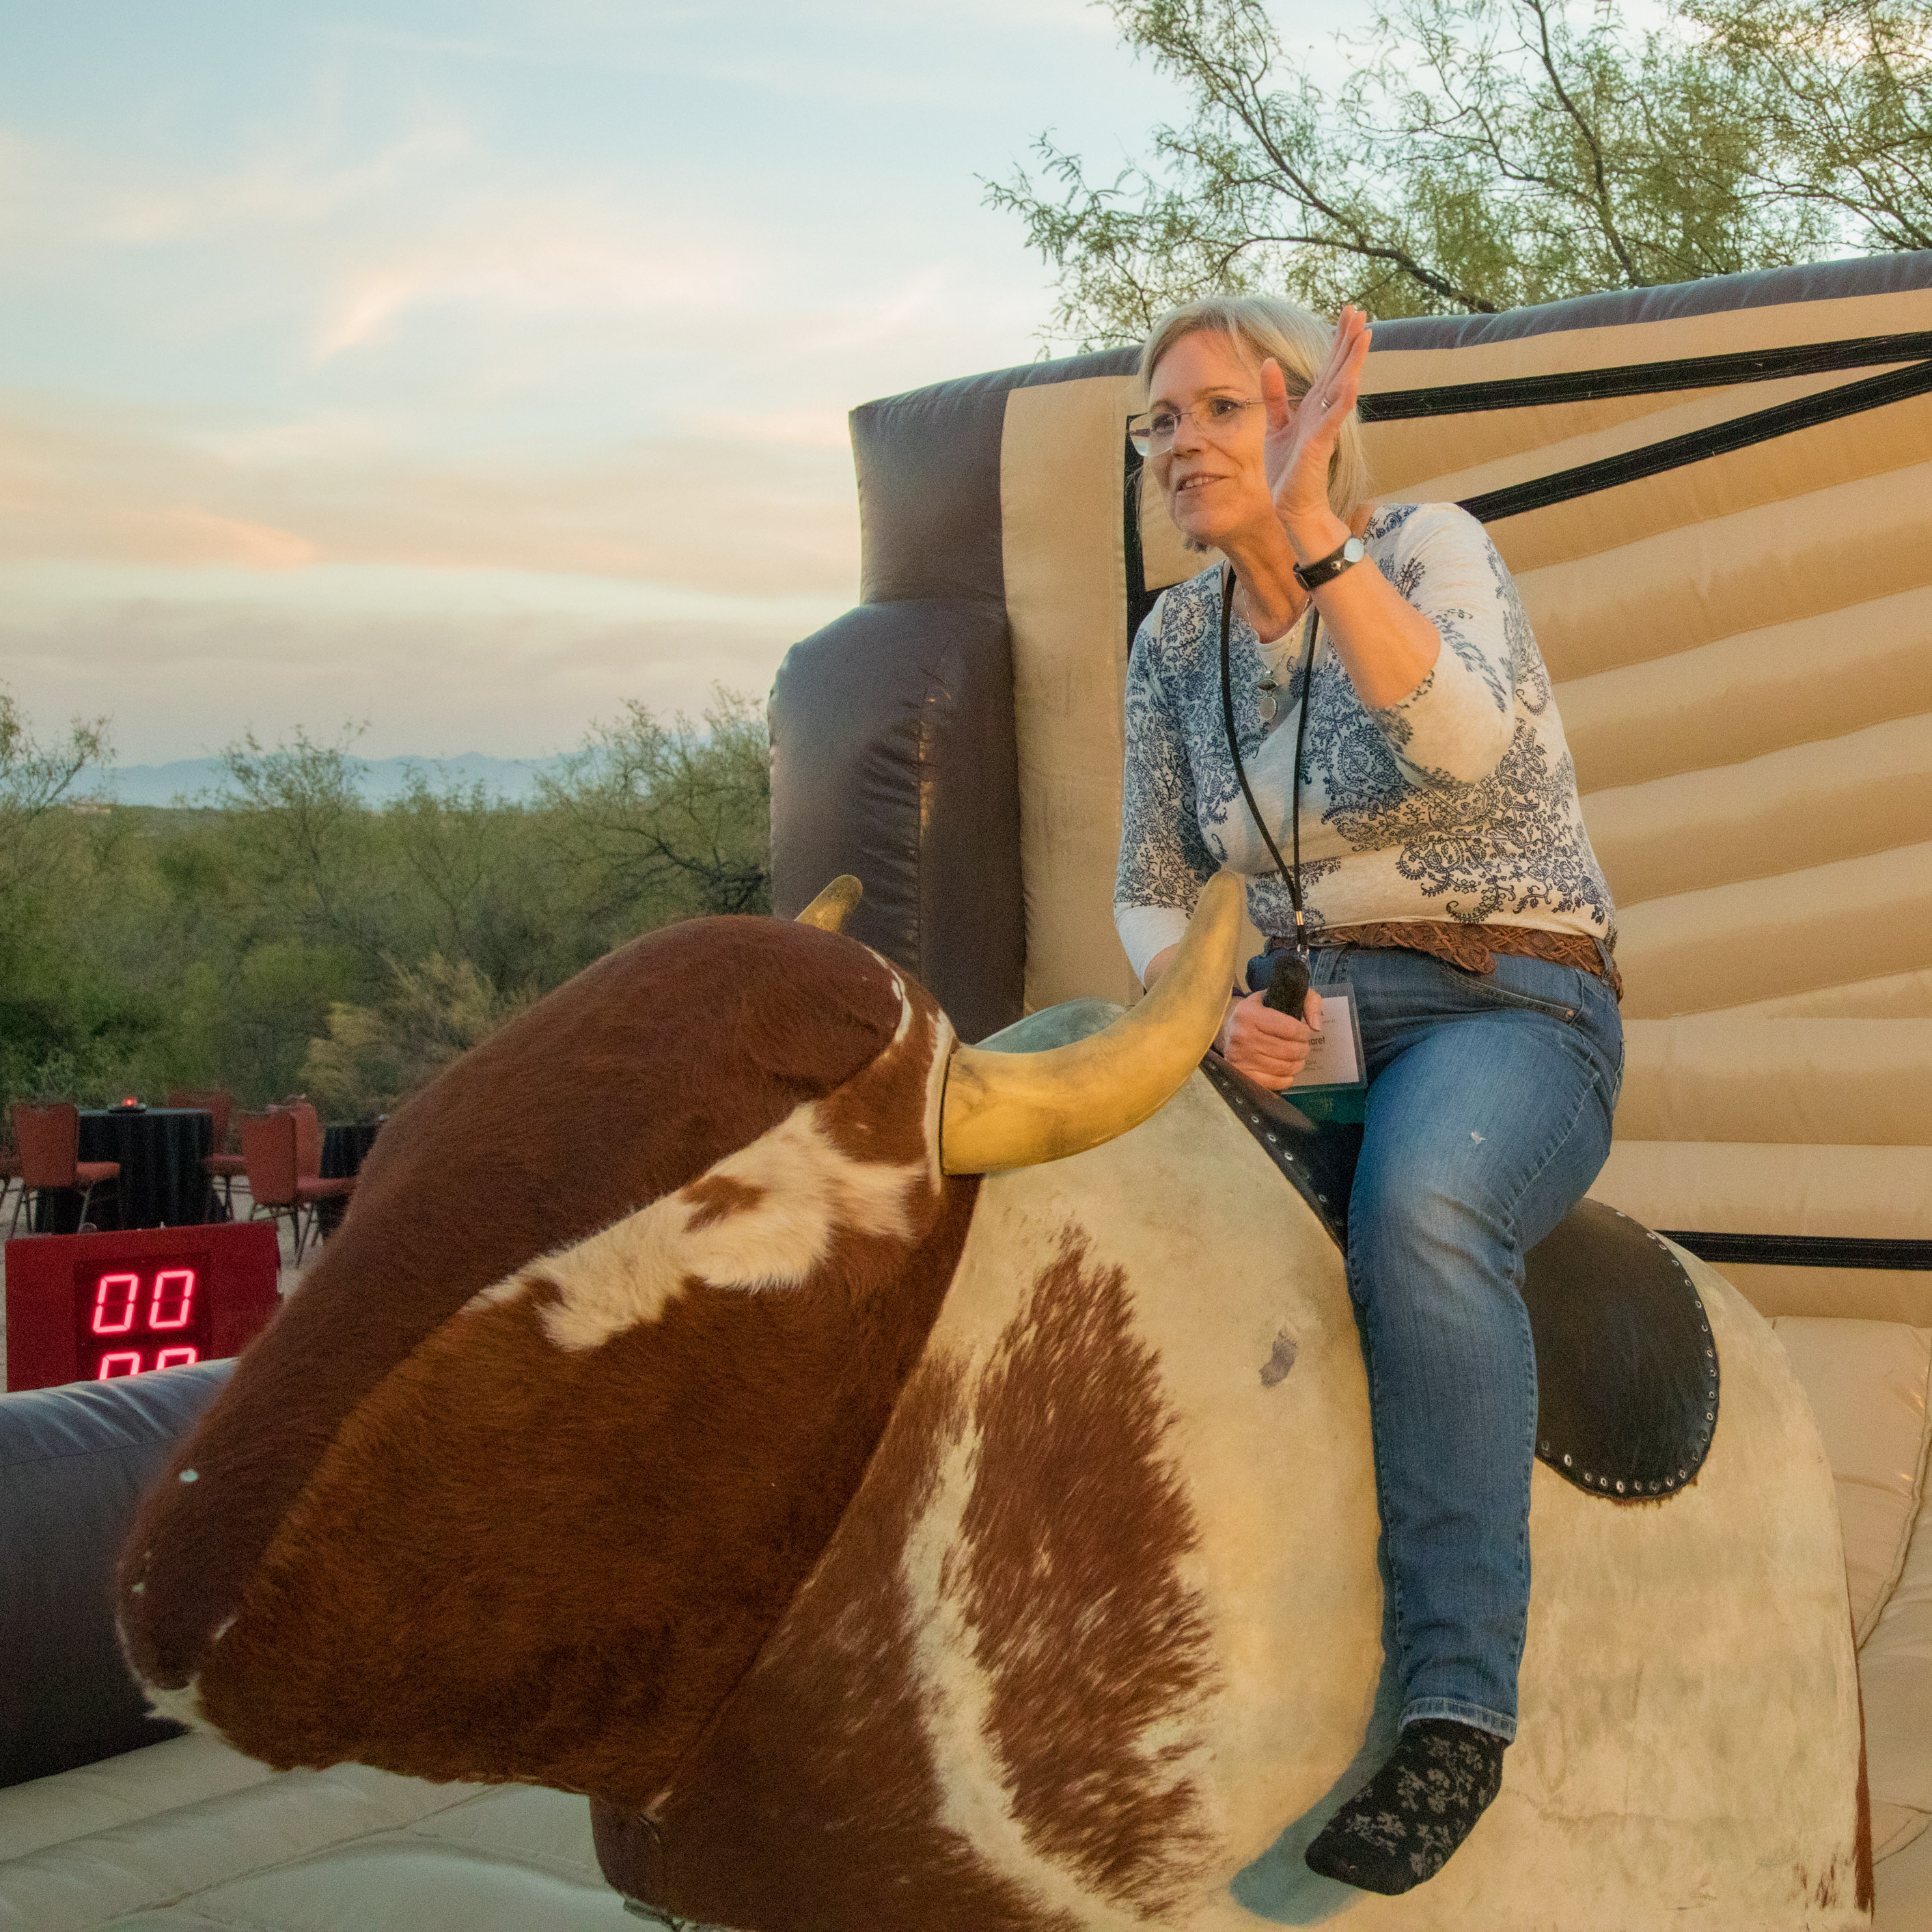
(1326,569)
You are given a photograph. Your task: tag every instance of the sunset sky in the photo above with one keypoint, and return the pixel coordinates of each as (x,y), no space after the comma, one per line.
(468,369)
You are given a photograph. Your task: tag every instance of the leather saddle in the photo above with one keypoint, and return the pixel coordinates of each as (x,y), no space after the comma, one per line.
(1626,1365)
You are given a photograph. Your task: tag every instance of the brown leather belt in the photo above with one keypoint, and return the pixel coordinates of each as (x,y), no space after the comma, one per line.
(1474,948)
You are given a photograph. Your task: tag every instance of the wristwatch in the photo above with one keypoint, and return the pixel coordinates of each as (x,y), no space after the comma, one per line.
(1326,569)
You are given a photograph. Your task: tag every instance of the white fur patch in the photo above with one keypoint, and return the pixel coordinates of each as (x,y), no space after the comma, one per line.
(183,1705)
(807,1190)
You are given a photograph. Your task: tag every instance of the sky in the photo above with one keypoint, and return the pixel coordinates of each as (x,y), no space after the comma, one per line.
(461,371)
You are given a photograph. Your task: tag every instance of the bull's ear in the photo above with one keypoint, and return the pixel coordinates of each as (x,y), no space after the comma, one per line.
(1019,1109)
(834,906)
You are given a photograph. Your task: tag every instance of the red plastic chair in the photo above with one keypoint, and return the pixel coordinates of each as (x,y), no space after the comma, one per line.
(49,1140)
(308,1136)
(272,1151)
(220,1165)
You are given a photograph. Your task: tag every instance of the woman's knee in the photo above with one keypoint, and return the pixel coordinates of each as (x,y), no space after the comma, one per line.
(1398,1215)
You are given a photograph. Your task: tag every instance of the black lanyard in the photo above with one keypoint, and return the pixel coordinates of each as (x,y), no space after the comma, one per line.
(1292,876)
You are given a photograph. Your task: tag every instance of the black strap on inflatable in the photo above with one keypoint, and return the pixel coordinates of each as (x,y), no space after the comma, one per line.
(1740,432)
(1140,599)
(1804,1250)
(1645,379)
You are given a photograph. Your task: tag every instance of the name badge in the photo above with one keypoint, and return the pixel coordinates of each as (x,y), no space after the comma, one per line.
(1335,1057)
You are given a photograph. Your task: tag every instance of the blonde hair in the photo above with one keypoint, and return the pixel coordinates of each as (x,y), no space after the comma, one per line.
(1261,326)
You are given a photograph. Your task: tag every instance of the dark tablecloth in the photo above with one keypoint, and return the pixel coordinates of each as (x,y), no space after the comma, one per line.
(346,1145)
(162,1183)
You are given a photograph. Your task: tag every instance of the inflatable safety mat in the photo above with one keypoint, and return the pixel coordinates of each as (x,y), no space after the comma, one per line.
(1626,1367)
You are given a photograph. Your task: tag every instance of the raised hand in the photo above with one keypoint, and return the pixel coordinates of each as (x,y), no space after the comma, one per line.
(1300,437)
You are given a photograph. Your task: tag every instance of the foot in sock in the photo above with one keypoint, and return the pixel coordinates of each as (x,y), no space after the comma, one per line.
(1402,1826)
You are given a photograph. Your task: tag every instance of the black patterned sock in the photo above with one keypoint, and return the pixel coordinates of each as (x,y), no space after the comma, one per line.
(1402,1826)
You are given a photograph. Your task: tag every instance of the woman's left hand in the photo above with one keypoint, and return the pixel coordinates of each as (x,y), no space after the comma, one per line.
(1300,439)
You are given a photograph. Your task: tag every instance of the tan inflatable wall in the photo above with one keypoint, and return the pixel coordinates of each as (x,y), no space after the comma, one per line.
(1742,650)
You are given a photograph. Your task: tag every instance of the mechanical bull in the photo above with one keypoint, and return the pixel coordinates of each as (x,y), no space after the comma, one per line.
(908,1487)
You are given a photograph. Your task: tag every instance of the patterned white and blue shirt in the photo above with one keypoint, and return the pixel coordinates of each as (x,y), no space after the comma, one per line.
(1458,801)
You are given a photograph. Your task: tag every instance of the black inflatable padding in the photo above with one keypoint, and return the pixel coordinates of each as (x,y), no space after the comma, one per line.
(928,466)
(73,1462)
(893,758)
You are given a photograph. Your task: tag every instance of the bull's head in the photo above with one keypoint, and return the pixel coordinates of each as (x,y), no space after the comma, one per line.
(517,1484)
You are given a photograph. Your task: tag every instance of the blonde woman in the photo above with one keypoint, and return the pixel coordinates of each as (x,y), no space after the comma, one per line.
(1447,879)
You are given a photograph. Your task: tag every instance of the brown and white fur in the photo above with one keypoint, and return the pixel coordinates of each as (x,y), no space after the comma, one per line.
(882,1556)
(1099,1643)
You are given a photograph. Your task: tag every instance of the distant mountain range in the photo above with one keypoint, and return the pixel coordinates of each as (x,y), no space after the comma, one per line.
(185,780)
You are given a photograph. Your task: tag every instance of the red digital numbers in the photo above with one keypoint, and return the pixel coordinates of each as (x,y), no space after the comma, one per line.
(115,1301)
(117,1309)
(174,1290)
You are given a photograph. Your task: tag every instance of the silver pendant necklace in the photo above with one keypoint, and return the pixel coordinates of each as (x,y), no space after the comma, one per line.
(1268,684)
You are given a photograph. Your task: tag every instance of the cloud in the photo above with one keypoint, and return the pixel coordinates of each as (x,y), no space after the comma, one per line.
(181,678)
(67,197)
(539,256)
(773,515)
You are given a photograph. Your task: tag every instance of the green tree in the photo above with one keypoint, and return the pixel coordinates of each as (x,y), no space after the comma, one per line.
(374,1057)
(306,832)
(1486,153)
(285,932)
(675,821)
(35,777)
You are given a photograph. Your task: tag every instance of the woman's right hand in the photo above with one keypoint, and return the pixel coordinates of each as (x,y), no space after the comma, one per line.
(1270,1048)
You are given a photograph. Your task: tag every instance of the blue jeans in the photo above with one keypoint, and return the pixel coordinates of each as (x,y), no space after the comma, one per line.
(1488,1115)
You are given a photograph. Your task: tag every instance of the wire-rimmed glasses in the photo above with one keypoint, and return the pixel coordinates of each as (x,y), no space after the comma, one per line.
(1153,433)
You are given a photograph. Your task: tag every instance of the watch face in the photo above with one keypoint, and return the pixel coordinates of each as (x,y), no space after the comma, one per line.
(1354,550)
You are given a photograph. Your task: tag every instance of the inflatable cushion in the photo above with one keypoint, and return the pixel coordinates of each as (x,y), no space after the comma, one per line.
(186,1835)
(1895,1668)
(1867,1383)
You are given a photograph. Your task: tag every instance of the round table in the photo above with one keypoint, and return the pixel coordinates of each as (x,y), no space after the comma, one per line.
(162,1183)
(345,1145)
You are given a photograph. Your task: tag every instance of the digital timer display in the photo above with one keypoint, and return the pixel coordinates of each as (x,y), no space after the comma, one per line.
(129,1319)
(99,1307)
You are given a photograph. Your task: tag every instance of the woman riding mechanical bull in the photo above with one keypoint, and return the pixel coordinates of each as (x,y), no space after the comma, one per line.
(932,1488)
(1417,759)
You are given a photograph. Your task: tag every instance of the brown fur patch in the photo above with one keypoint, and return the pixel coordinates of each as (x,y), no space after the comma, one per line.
(620,1087)
(814,1800)
(715,1196)
(1098,1649)
(522,1562)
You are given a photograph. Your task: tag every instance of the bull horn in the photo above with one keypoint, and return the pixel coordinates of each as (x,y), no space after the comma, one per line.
(1019,1109)
(833,907)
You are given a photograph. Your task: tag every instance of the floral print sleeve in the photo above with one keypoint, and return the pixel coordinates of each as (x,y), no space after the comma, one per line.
(1458,801)
(1165,861)
(1452,729)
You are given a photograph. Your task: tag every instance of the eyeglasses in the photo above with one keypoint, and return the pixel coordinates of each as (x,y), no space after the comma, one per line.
(1153,434)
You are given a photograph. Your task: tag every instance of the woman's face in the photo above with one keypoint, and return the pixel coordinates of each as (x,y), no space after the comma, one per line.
(1212,477)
